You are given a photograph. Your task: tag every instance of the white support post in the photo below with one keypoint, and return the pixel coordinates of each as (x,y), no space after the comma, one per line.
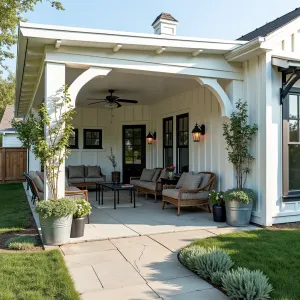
(54,86)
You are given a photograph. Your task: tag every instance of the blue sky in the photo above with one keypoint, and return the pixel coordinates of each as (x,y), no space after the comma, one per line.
(200,18)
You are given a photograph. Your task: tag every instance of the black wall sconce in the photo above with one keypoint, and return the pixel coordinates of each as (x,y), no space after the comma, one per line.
(197,132)
(151,137)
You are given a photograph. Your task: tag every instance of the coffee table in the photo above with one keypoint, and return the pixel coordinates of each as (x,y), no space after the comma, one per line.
(116,187)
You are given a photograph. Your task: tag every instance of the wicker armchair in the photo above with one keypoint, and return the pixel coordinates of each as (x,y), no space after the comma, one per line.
(188,197)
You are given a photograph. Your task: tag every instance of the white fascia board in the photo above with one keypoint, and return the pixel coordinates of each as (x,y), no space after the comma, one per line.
(75,35)
(285,59)
(247,50)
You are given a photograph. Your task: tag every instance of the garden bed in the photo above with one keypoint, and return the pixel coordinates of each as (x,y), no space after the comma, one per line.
(274,252)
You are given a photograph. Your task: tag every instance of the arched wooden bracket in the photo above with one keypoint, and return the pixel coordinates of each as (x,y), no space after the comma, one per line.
(288,84)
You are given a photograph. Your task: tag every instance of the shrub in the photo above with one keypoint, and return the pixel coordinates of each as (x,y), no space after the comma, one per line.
(243,196)
(214,260)
(245,284)
(56,208)
(187,256)
(83,208)
(216,278)
(21,243)
(216,197)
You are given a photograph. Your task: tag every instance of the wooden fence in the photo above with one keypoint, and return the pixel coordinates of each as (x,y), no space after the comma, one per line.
(13,163)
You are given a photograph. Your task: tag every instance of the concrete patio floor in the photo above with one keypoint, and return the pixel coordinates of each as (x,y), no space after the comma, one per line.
(146,219)
(139,268)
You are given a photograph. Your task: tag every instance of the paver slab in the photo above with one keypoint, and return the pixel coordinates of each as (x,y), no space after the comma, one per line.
(117,274)
(168,288)
(87,247)
(177,240)
(209,294)
(85,278)
(137,292)
(133,242)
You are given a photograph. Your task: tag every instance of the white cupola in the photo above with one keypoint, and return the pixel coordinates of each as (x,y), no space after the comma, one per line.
(165,24)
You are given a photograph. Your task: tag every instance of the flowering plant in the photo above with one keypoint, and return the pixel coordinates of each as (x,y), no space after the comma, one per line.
(170,168)
(216,197)
(83,208)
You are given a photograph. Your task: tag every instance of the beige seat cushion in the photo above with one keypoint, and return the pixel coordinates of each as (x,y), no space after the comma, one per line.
(37,180)
(76,171)
(135,181)
(94,180)
(174,193)
(147,174)
(76,180)
(148,185)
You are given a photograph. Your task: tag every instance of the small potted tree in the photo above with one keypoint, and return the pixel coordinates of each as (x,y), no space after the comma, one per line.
(83,208)
(55,213)
(238,136)
(115,175)
(217,200)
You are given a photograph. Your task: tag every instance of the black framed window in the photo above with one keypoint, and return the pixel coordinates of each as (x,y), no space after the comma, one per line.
(92,139)
(73,139)
(182,142)
(291,145)
(168,141)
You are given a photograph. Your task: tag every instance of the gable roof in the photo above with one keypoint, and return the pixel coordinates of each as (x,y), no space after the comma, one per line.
(165,16)
(271,26)
(8,115)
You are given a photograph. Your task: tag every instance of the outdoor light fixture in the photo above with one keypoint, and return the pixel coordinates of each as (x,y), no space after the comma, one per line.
(151,137)
(197,132)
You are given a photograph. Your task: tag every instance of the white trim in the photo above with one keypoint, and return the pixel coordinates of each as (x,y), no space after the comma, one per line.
(117,48)
(160,50)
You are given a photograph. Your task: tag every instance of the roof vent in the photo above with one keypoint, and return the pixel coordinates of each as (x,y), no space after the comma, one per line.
(165,24)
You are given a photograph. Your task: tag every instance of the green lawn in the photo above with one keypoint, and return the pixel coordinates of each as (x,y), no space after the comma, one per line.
(13,208)
(39,275)
(275,252)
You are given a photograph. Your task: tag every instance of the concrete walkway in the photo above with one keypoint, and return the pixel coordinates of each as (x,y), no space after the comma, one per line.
(139,268)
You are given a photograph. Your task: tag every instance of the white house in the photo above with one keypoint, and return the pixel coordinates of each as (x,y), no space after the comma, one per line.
(178,82)
(9,135)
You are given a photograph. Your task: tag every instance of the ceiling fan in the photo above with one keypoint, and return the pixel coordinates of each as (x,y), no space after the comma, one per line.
(111,101)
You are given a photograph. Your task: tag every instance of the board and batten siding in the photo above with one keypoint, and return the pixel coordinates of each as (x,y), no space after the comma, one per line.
(11,140)
(100,118)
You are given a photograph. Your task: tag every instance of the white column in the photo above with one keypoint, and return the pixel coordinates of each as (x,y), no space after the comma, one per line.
(54,85)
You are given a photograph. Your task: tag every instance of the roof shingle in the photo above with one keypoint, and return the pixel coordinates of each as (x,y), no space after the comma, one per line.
(271,26)
(8,115)
(165,16)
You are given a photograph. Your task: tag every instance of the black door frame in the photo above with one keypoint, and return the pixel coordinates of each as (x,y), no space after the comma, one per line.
(143,144)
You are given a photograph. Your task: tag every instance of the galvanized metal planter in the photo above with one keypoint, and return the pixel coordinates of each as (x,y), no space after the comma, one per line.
(238,214)
(77,229)
(56,230)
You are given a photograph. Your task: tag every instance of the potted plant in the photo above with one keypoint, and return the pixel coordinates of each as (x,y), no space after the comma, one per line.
(217,199)
(55,217)
(170,171)
(83,208)
(238,136)
(55,214)
(115,175)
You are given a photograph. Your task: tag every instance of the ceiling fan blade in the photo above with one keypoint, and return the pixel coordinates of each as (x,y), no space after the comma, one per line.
(96,102)
(126,100)
(95,99)
(119,105)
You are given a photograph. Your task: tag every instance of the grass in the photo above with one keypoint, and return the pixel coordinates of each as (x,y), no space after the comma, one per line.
(21,243)
(274,252)
(35,276)
(39,275)
(15,214)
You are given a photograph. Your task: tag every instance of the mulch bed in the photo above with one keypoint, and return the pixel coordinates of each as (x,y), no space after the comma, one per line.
(294,225)
(30,231)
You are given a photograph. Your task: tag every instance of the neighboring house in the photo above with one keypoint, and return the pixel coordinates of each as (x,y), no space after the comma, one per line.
(178,82)
(10,138)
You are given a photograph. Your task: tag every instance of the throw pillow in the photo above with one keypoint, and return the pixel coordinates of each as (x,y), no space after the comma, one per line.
(205,180)
(37,180)
(93,172)
(147,174)
(180,181)
(66,183)
(156,175)
(76,171)
(163,174)
(192,181)
(41,175)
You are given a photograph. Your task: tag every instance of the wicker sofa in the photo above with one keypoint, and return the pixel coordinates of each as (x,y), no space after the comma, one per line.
(84,176)
(149,182)
(191,190)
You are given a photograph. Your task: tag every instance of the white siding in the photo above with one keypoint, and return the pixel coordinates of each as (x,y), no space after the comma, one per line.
(11,140)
